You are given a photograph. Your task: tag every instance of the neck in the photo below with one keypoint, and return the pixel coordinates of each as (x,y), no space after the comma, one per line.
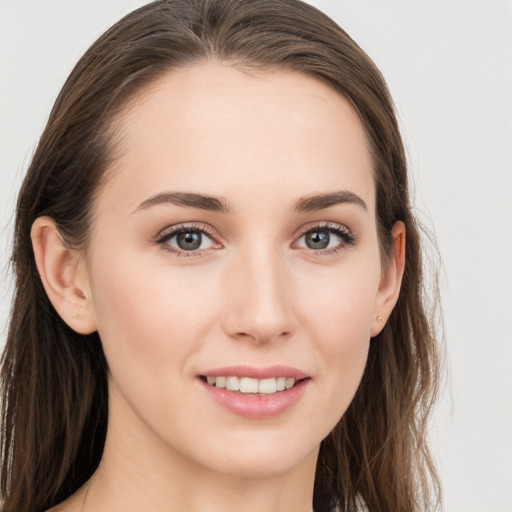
(134,485)
(139,471)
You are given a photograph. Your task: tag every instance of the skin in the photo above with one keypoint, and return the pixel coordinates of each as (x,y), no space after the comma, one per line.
(254,294)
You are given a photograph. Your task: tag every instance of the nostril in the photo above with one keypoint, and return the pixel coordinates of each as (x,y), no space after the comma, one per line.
(262,336)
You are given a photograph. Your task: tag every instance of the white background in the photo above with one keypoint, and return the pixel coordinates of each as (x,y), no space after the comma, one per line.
(449,66)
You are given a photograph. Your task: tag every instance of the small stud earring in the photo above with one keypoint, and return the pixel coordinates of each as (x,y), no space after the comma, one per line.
(379,318)
(75,315)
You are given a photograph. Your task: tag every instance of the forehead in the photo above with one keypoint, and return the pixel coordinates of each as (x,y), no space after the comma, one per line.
(221,130)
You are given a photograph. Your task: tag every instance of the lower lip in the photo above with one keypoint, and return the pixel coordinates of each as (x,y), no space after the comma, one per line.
(257,406)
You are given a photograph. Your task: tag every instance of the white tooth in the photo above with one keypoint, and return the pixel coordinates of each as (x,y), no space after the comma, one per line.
(248,385)
(220,382)
(232,383)
(281,383)
(267,386)
(211,381)
(290,383)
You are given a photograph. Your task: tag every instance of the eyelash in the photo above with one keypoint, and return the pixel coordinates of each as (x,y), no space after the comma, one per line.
(347,239)
(164,237)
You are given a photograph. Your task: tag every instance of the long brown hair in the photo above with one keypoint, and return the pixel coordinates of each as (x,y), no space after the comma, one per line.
(54,381)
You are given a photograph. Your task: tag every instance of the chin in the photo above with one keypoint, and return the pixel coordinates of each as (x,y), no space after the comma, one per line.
(262,458)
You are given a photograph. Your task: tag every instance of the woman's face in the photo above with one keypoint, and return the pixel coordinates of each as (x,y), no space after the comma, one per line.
(235,237)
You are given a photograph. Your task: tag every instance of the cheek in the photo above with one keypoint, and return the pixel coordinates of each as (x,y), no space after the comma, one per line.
(340,305)
(342,336)
(339,318)
(151,315)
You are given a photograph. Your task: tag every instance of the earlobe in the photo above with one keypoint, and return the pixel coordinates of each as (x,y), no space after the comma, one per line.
(391,280)
(64,276)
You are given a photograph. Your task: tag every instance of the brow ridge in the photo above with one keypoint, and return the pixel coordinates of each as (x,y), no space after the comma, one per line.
(321,201)
(204,202)
(187,199)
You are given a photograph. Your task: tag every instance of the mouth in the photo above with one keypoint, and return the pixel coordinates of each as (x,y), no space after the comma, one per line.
(255,393)
(252,386)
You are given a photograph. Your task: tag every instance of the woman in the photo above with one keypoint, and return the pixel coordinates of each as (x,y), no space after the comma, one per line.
(218,278)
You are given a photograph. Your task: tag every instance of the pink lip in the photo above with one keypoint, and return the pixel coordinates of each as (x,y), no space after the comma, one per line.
(256,406)
(256,373)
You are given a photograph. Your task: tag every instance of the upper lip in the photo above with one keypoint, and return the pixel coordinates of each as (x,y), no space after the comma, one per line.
(267,372)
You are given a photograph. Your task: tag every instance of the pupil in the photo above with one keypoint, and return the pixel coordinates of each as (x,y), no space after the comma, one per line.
(317,240)
(189,241)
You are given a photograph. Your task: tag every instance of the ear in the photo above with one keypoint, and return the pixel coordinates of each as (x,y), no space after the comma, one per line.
(391,280)
(64,276)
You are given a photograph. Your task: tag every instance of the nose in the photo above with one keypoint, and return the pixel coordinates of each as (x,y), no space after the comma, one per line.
(260,298)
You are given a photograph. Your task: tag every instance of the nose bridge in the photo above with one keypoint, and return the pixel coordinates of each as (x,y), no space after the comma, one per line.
(260,299)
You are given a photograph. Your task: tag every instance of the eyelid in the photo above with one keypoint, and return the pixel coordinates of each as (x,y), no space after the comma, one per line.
(169,232)
(198,226)
(348,239)
(326,225)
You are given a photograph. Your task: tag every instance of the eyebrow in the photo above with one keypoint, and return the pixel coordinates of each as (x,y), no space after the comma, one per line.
(321,201)
(215,204)
(187,199)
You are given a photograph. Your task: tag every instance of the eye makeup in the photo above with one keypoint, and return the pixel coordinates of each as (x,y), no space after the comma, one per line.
(194,239)
(190,236)
(321,234)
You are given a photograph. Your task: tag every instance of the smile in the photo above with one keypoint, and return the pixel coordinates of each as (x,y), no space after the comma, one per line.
(250,385)
(255,393)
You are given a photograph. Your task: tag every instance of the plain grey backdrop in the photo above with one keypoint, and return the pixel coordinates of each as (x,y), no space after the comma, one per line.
(449,67)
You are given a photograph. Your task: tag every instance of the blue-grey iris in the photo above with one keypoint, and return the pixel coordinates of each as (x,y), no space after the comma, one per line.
(318,239)
(189,240)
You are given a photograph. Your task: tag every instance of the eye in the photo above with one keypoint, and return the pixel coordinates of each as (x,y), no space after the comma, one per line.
(326,238)
(186,239)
